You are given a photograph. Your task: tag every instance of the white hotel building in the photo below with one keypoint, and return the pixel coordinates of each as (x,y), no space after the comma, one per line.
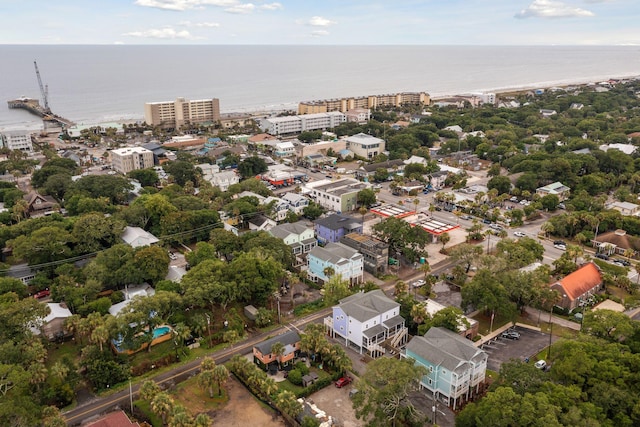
(296,124)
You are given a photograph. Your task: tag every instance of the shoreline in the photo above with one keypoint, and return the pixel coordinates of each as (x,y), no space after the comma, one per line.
(288,106)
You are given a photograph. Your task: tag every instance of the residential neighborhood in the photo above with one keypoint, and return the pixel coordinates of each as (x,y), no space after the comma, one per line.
(455,256)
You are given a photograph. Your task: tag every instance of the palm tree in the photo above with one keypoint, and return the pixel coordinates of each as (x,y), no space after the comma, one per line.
(362,211)
(51,417)
(202,420)
(162,405)
(180,417)
(400,288)
(220,376)
(287,403)
(231,336)
(416,202)
(148,390)
(206,380)
(100,335)
(71,324)
(329,271)
(269,387)
(277,349)
(313,339)
(59,370)
(547,228)
(207,364)
(38,374)
(629,253)
(444,239)
(19,210)
(488,233)
(418,313)
(182,332)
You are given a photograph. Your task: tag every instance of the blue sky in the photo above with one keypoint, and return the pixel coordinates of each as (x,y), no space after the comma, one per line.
(328,22)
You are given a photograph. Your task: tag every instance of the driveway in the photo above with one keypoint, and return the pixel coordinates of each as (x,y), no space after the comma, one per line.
(502,350)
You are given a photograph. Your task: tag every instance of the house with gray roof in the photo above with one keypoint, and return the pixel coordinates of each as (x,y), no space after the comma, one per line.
(332,228)
(297,235)
(264,356)
(296,202)
(137,237)
(391,166)
(338,258)
(367,320)
(455,367)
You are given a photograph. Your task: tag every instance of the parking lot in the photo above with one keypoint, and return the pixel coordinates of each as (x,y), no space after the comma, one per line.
(501,350)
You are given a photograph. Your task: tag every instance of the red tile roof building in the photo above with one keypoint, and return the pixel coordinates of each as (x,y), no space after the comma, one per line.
(578,286)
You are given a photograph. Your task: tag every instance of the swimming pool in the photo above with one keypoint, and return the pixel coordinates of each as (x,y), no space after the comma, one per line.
(162,330)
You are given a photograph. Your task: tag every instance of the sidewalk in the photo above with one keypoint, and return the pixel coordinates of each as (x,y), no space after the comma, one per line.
(544,318)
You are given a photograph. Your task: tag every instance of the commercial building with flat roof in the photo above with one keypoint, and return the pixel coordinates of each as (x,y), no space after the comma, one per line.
(338,196)
(174,114)
(124,160)
(17,140)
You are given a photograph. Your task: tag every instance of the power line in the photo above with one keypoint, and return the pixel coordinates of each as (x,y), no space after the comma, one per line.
(93,254)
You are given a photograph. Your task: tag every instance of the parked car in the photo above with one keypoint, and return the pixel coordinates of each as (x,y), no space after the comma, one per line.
(603,256)
(486,221)
(42,294)
(512,335)
(514,199)
(418,283)
(540,364)
(519,234)
(344,381)
(560,242)
(561,247)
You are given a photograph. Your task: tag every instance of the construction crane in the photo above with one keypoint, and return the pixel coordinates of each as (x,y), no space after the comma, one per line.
(44,90)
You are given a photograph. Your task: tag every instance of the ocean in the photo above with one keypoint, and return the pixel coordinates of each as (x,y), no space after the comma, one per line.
(94,84)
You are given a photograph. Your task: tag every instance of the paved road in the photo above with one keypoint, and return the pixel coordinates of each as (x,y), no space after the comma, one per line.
(178,374)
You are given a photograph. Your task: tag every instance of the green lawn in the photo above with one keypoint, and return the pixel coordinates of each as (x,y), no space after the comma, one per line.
(295,389)
(484,323)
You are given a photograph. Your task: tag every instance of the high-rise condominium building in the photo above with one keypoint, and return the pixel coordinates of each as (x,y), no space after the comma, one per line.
(174,114)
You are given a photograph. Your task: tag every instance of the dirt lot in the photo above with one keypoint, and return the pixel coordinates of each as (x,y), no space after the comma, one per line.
(243,410)
(335,402)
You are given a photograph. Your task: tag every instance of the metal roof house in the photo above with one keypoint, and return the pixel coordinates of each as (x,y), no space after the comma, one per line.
(343,260)
(455,367)
(366,321)
(137,237)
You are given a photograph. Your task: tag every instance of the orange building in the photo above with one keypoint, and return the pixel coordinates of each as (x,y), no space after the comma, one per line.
(578,286)
(264,356)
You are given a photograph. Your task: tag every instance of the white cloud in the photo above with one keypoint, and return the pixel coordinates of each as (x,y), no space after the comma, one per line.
(552,9)
(271,6)
(320,33)
(242,9)
(161,33)
(319,21)
(181,5)
(199,24)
